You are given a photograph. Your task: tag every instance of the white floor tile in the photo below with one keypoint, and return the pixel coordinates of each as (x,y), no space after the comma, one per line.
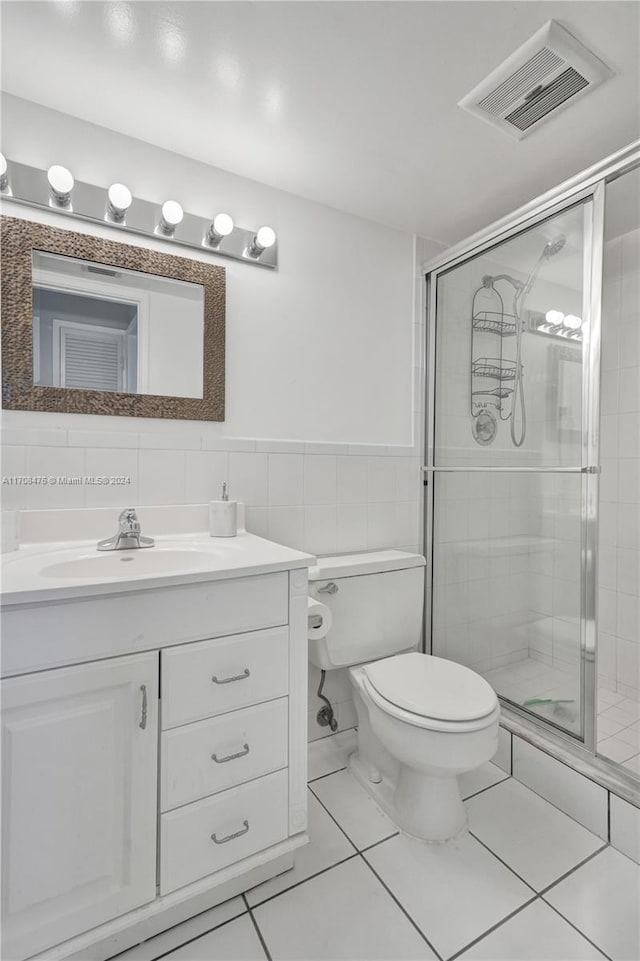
(533,837)
(177,935)
(344,913)
(601,898)
(330,753)
(235,941)
(616,750)
(536,933)
(483,777)
(327,846)
(357,814)
(454,892)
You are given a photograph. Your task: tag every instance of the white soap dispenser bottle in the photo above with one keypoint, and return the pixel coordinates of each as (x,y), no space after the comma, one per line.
(223,516)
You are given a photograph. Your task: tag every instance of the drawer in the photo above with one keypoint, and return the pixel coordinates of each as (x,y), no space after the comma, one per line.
(204,837)
(213,677)
(213,755)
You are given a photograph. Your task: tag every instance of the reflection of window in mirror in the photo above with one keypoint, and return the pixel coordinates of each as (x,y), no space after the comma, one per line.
(107,328)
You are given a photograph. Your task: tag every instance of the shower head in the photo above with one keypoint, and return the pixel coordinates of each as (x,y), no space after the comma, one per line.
(554,246)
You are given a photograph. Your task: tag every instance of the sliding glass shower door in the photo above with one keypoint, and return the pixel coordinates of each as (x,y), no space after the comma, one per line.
(511,466)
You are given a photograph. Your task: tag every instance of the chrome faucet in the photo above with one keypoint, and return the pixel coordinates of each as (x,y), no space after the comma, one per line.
(128,536)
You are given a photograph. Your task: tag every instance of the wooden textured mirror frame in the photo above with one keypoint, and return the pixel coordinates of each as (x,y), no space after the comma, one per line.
(19,239)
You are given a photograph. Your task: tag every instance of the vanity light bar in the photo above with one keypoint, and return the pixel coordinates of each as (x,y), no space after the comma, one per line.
(56,188)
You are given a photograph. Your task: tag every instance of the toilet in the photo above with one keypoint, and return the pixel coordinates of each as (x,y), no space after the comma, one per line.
(422,720)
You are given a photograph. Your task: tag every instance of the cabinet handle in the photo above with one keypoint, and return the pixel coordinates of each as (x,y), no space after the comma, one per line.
(143,714)
(228,680)
(231,837)
(231,757)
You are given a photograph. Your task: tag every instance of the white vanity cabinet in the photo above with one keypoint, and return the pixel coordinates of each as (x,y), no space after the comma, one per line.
(154,752)
(79,761)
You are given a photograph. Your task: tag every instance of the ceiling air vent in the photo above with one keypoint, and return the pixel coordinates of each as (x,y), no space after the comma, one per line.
(548,72)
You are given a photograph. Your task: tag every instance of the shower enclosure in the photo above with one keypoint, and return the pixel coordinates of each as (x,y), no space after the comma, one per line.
(515,451)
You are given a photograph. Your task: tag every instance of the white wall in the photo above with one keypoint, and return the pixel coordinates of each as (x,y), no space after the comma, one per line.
(319,350)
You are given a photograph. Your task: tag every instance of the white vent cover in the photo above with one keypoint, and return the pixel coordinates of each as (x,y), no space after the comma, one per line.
(548,72)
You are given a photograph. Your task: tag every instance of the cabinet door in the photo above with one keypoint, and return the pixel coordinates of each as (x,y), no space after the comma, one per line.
(79,799)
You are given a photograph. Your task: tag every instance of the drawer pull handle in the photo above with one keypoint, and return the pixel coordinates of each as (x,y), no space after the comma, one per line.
(143,712)
(231,757)
(228,680)
(231,837)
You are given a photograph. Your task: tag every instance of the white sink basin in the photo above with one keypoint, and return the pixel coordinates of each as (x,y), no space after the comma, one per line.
(130,563)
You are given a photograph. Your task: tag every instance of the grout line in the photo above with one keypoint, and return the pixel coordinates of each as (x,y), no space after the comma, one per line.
(488,787)
(609,816)
(328,774)
(493,928)
(572,925)
(381,841)
(297,884)
(498,858)
(332,818)
(511,753)
(258,931)
(202,934)
(574,868)
(401,906)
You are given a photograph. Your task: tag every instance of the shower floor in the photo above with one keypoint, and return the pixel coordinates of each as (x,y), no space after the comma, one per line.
(618,723)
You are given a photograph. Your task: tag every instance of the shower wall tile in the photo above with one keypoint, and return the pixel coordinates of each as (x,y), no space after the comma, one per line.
(625,828)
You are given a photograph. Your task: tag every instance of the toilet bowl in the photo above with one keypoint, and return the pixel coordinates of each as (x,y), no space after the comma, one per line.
(422,720)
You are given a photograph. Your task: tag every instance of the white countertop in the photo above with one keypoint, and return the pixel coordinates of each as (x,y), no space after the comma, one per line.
(32,574)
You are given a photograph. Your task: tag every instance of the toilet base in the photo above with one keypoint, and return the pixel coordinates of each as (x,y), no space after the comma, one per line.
(428,809)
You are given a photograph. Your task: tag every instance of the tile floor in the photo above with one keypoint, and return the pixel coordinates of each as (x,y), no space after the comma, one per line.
(526,883)
(618,716)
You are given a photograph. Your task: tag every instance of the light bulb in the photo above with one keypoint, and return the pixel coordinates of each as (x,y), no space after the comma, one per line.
(572,322)
(60,183)
(554,317)
(221,227)
(172,215)
(4,177)
(265,237)
(120,199)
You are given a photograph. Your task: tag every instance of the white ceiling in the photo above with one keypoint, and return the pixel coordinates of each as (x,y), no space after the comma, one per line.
(352,104)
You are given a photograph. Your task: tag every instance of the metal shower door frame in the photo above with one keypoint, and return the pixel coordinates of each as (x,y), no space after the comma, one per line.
(588,190)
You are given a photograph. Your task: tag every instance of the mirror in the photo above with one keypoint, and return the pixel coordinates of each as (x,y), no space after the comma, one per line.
(107,328)
(96,326)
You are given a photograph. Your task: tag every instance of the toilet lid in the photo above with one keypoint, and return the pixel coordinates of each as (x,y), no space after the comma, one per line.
(432,687)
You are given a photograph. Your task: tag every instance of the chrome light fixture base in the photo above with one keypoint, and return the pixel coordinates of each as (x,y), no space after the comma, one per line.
(29,186)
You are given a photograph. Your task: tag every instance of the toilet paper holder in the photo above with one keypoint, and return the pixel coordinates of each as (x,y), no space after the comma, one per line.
(315,620)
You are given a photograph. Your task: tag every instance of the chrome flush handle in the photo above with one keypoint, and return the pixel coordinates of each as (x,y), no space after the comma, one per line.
(329,588)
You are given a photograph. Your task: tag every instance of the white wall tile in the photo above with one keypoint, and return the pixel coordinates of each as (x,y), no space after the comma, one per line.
(286,472)
(628,571)
(502,757)
(280,446)
(351,532)
(35,436)
(205,473)
(320,479)
(381,479)
(320,529)
(629,396)
(103,438)
(285,525)
(13,494)
(381,526)
(629,480)
(629,434)
(55,464)
(248,478)
(352,480)
(183,439)
(256,521)
(161,477)
(625,828)
(577,796)
(113,464)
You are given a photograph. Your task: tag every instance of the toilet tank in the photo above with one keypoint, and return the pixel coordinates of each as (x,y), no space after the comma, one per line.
(376,602)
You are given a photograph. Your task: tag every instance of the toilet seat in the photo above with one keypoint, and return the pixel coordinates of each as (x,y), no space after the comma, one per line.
(430,692)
